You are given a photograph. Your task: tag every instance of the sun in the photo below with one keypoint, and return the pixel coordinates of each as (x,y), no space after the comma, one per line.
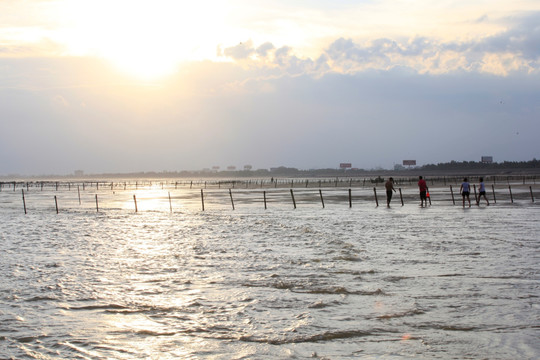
(147,39)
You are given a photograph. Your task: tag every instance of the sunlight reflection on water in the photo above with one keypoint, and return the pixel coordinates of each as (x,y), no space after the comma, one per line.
(405,282)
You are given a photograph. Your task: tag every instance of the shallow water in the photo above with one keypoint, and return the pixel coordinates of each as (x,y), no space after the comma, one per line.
(331,283)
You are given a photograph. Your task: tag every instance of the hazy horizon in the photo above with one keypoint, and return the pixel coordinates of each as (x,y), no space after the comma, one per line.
(158,86)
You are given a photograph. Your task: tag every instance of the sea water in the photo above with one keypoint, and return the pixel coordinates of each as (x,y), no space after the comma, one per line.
(171,281)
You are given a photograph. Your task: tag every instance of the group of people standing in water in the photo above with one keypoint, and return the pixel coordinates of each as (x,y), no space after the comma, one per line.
(465,191)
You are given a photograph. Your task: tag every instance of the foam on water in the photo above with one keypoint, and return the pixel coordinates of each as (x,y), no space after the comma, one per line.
(339,282)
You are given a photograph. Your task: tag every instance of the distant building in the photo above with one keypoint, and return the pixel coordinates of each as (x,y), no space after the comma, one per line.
(487,159)
(79,173)
(248,167)
(231,168)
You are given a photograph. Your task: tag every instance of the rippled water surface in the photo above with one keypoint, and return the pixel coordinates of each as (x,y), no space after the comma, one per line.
(330,283)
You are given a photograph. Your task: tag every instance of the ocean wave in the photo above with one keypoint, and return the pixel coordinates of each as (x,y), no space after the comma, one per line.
(314,338)
(401,314)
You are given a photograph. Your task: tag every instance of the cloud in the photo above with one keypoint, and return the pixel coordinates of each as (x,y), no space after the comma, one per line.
(265,48)
(240,51)
(307,120)
(521,40)
(515,49)
(372,102)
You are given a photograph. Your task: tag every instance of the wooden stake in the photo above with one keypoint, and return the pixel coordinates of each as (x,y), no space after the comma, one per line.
(135,202)
(350,198)
(24,201)
(452,192)
(292,196)
(232,201)
(493,189)
(511,197)
(401,196)
(202,199)
(97,205)
(56,203)
(532,197)
(322,200)
(375,192)
(79,192)
(264,196)
(170,203)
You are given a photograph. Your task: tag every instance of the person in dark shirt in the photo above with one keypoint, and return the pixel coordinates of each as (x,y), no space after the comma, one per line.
(389,185)
(465,191)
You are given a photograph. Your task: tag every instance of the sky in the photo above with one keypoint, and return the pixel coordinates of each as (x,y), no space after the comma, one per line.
(127,86)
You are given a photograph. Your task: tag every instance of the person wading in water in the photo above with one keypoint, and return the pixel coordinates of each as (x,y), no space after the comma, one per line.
(389,185)
(465,191)
(422,185)
(482,192)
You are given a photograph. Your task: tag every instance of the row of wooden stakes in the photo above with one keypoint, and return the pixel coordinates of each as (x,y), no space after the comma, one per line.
(292,198)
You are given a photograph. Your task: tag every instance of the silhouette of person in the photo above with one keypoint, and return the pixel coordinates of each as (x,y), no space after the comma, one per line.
(482,192)
(389,185)
(422,185)
(465,191)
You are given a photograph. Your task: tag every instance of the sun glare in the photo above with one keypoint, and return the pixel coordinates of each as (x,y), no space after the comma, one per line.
(147,39)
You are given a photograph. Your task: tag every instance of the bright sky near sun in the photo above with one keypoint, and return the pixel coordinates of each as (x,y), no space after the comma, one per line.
(150,38)
(228,73)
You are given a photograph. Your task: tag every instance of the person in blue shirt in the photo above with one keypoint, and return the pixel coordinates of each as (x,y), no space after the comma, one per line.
(465,191)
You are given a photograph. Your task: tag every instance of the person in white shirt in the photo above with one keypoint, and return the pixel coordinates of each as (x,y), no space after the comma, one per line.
(482,192)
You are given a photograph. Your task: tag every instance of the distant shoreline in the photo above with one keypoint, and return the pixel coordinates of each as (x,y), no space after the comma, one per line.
(257,174)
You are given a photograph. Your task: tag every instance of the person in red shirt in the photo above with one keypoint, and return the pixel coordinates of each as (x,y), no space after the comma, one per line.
(423,191)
